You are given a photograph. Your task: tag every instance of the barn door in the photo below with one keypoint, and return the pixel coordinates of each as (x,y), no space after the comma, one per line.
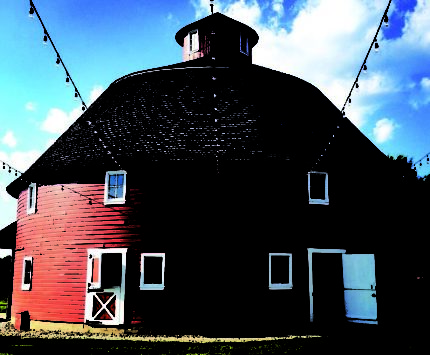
(360,288)
(105,286)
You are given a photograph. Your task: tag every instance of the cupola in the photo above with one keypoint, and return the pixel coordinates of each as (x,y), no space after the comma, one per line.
(217,37)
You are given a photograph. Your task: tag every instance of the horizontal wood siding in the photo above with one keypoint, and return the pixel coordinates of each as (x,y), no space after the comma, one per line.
(57,236)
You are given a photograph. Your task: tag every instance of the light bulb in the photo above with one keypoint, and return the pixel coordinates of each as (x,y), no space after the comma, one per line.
(364,68)
(67,81)
(58,61)
(386,21)
(376,47)
(31,12)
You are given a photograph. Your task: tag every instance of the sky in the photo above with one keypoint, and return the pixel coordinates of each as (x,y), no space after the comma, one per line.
(321,41)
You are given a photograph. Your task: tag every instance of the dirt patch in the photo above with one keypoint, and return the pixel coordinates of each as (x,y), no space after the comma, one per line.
(7,329)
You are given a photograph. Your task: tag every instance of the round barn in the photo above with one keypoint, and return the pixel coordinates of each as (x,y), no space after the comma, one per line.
(198,195)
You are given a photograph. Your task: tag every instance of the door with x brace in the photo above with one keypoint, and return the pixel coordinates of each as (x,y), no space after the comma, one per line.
(105,286)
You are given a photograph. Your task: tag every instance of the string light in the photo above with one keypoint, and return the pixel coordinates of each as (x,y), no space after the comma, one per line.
(386,20)
(59,60)
(376,47)
(31,12)
(364,68)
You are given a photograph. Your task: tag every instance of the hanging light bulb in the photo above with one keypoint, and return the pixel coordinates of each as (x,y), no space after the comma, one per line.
(45,38)
(386,21)
(356,86)
(83,108)
(67,81)
(76,96)
(376,47)
(364,68)
(31,12)
(349,101)
(4,166)
(58,61)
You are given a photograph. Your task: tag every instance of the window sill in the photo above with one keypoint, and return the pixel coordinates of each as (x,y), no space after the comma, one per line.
(151,287)
(281,287)
(115,202)
(25,288)
(318,202)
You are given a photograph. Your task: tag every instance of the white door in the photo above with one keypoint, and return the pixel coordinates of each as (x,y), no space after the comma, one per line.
(105,286)
(359,282)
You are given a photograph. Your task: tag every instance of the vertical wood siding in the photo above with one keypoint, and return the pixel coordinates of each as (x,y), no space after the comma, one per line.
(57,236)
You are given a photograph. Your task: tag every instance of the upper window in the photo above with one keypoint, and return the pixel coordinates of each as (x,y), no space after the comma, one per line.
(152,271)
(31,198)
(194,41)
(27,273)
(244,44)
(115,187)
(280,271)
(318,188)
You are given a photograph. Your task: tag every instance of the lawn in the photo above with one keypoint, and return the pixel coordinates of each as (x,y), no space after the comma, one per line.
(3,306)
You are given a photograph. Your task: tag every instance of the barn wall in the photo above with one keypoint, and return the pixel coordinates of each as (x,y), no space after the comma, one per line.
(57,236)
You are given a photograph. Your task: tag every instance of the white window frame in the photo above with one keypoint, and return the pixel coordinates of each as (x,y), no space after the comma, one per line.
(242,36)
(119,200)
(144,286)
(31,209)
(287,286)
(24,286)
(192,46)
(324,201)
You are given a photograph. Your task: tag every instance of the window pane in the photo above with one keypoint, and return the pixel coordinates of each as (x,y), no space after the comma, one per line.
(30,195)
(120,180)
(317,182)
(152,268)
(119,191)
(111,270)
(280,273)
(112,179)
(111,192)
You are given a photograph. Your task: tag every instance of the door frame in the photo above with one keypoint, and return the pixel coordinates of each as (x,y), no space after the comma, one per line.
(311,284)
(88,304)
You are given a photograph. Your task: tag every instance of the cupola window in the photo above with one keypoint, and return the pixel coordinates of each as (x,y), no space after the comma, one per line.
(31,198)
(194,41)
(244,44)
(318,188)
(115,187)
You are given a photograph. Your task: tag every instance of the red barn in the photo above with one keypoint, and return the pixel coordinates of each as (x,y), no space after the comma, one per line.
(212,193)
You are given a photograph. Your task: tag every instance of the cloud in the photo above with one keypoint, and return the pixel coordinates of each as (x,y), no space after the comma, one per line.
(384,130)
(95,93)
(57,121)
(30,106)
(9,139)
(20,160)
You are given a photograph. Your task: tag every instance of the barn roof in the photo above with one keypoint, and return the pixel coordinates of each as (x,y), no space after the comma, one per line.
(188,114)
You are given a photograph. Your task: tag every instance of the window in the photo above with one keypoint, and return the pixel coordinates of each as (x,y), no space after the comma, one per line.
(152,271)
(115,187)
(318,188)
(31,198)
(244,44)
(27,273)
(105,269)
(194,41)
(280,271)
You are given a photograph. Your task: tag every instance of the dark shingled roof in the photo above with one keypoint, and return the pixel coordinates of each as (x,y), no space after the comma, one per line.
(190,116)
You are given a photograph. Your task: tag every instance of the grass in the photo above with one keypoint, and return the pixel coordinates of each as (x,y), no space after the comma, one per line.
(3,306)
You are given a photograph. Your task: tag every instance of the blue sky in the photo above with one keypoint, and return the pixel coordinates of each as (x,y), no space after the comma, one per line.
(321,41)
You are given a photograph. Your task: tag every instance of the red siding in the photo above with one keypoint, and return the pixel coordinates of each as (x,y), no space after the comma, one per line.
(57,236)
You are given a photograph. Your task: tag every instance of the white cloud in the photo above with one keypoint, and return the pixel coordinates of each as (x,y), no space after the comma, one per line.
(425,83)
(9,139)
(30,106)
(20,160)
(384,130)
(57,121)
(95,93)
(417,26)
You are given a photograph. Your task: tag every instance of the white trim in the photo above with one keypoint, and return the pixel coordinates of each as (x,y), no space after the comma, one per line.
(144,286)
(190,48)
(318,201)
(121,292)
(287,286)
(311,285)
(119,200)
(31,209)
(24,286)
(240,44)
